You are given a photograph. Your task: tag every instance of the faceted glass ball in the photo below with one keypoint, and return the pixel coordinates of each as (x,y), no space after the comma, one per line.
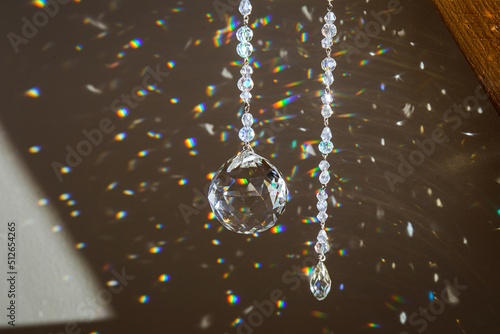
(248,194)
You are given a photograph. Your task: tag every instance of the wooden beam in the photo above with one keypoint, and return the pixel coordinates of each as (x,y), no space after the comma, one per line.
(475,25)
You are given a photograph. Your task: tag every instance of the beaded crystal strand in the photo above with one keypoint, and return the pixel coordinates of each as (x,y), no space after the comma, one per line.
(320,279)
(245,84)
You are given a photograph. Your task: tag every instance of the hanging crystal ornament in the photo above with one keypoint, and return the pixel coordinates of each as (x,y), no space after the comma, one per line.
(320,283)
(248,193)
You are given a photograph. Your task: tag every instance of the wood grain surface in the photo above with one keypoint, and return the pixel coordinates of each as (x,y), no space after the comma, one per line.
(475,25)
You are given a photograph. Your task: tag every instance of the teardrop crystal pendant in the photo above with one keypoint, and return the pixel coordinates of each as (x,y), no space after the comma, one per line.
(320,281)
(248,193)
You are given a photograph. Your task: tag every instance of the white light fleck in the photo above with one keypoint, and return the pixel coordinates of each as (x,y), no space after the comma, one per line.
(409,229)
(422,66)
(402,317)
(226,74)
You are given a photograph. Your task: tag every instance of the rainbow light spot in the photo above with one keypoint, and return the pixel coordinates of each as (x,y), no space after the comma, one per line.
(143,299)
(318,314)
(64,196)
(128,192)
(135,43)
(310,220)
(112,186)
(183,182)
(278,69)
(207,226)
(223,136)
(154,135)
(257,265)
(121,214)
(174,100)
(143,153)
(379,52)
(342,252)
(33,92)
(284,102)
(210,216)
(123,112)
(176,10)
(210,176)
(233,299)
(42,202)
(210,90)
(160,22)
(281,304)
(39,3)
(431,295)
(141,92)
(159,226)
(171,64)
(399,299)
(80,245)
(79,47)
(65,170)
(34,149)
(220,260)
(121,136)
(190,142)
(278,229)
(75,213)
(164,278)
(303,37)
(373,325)
(364,62)
(200,108)
(216,242)
(236,322)
(155,250)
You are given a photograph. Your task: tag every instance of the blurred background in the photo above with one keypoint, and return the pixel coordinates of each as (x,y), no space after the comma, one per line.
(119,238)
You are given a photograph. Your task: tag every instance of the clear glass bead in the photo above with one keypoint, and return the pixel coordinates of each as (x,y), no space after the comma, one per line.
(322,236)
(326,134)
(328,78)
(324,165)
(326,147)
(246,96)
(327,98)
(330,17)
(245,84)
(244,34)
(244,49)
(329,30)
(247,120)
(245,7)
(328,64)
(322,216)
(321,206)
(246,134)
(246,70)
(322,195)
(248,193)
(326,43)
(322,247)
(324,177)
(320,283)
(326,111)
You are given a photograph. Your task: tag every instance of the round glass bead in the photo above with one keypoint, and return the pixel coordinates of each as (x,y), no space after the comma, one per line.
(329,30)
(246,134)
(245,84)
(326,43)
(322,216)
(244,34)
(247,120)
(246,96)
(327,98)
(326,111)
(326,147)
(324,177)
(322,247)
(244,49)
(322,195)
(328,78)
(330,17)
(246,70)
(324,165)
(321,206)
(328,64)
